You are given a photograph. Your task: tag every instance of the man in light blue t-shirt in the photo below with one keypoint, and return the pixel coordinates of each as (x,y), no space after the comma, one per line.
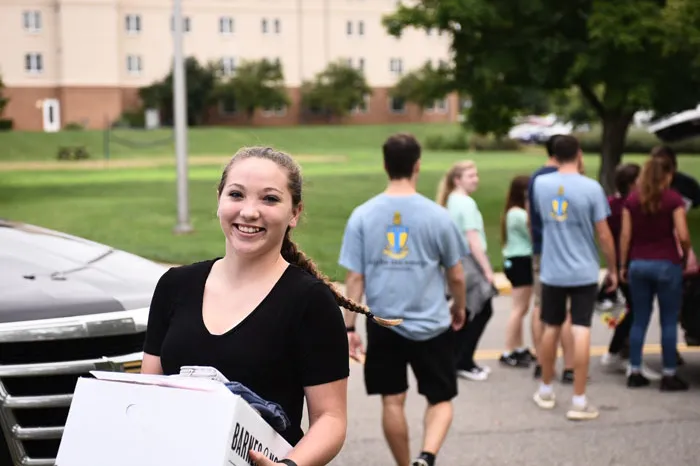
(398,248)
(573,209)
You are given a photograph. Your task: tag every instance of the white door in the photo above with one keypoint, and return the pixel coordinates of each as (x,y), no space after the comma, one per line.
(52,115)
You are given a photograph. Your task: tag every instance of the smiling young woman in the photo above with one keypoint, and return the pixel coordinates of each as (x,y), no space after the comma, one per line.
(262,314)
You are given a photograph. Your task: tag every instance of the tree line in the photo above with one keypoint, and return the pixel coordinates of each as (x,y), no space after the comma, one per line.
(260,85)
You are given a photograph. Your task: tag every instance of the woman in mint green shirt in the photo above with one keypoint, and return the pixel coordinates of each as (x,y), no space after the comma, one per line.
(517,256)
(455,193)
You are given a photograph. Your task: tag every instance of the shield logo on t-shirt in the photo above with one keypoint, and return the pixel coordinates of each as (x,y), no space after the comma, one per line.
(559,206)
(397,237)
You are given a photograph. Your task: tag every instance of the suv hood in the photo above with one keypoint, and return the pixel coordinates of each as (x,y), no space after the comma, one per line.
(46,274)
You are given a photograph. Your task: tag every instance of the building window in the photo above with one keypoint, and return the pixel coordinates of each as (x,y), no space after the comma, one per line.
(227,106)
(348,28)
(361,28)
(186,24)
(278,26)
(33,63)
(278,111)
(263,25)
(133,24)
(226,25)
(438,106)
(228,66)
(396,66)
(32,20)
(361,64)
(133,64)
(362,107)
(397,105)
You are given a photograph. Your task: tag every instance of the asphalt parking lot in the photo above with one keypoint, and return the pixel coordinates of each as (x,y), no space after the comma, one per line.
(496,423)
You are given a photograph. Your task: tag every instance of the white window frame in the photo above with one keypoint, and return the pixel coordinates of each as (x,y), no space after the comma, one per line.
(396,66)
(226,25)
(277,111)
(186,24)
(360,28)
(348,28)
(31,20)
(391,106)
(134,64)
(264,26)
(132,23)
(358,110)
(33,63)
(278,26)
(228,66)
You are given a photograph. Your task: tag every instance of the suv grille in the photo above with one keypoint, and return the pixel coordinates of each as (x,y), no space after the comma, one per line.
(37,380)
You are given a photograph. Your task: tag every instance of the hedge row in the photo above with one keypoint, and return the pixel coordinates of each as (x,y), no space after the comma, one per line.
(460,140)
(639,141)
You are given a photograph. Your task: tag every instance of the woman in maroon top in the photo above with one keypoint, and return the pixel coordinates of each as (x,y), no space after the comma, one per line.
(652,216)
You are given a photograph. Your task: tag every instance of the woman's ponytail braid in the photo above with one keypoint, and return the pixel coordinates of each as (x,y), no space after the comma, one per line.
(293,255)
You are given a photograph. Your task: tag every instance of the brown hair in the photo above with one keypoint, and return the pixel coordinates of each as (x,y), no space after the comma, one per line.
(625,177)
(514,198)
(447,183)
(290,252)
(653,183)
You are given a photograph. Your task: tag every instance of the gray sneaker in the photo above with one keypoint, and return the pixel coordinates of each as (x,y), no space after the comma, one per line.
(544,401)
(582,413)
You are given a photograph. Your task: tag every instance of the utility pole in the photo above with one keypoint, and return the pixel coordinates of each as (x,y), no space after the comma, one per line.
(180,113)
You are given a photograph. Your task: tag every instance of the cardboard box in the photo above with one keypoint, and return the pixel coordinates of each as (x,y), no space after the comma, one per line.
(121,419)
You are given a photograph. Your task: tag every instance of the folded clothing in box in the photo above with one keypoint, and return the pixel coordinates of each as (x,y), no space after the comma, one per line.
(271,412)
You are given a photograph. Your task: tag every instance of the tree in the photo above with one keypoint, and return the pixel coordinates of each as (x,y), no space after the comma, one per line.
(621,55)
(255,84)
(3,100)
(335,91)
(423,86)
(200,81)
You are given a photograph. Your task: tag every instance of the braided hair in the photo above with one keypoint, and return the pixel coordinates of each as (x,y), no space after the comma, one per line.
(290,252)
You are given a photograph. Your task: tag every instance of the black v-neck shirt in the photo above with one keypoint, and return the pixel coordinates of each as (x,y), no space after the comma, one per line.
(295,337)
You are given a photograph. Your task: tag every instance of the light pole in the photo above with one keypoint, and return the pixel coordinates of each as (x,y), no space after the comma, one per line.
(180,114)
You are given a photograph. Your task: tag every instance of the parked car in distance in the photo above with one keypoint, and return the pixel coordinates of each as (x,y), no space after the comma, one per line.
(67,306)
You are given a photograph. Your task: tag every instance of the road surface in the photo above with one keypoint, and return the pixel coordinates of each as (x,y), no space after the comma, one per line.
(496,423)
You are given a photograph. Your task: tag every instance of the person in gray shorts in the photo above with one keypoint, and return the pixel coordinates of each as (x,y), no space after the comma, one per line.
(399,249)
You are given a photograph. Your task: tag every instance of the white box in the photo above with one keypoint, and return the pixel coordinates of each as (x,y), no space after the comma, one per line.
(121,419)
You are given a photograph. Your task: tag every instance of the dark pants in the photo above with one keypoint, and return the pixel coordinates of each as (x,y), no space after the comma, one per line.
(467,338)
(620,339)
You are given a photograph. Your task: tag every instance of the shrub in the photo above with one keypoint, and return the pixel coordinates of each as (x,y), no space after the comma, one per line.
(447,141)
(6,125)
(639,141)
(458,141)
(489,143)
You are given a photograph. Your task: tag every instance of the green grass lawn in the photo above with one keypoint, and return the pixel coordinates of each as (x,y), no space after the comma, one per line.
(326,140)
(135,209)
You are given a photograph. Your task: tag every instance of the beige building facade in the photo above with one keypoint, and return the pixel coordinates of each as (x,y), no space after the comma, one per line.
(82,61)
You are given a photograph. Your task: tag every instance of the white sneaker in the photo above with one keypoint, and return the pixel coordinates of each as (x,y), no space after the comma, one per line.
(477,374)
(544,401)
(486,369)
(647,372)
(612,362)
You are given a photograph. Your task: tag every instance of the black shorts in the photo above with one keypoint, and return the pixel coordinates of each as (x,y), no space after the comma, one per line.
(433,362)
(518,270)
(583,298)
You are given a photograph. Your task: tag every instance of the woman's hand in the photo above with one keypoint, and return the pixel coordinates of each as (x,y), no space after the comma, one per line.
(357,352)
(259,459)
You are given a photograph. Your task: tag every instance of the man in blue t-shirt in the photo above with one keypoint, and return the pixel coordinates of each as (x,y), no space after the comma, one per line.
(535,220)
(573,209)
(398,248)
